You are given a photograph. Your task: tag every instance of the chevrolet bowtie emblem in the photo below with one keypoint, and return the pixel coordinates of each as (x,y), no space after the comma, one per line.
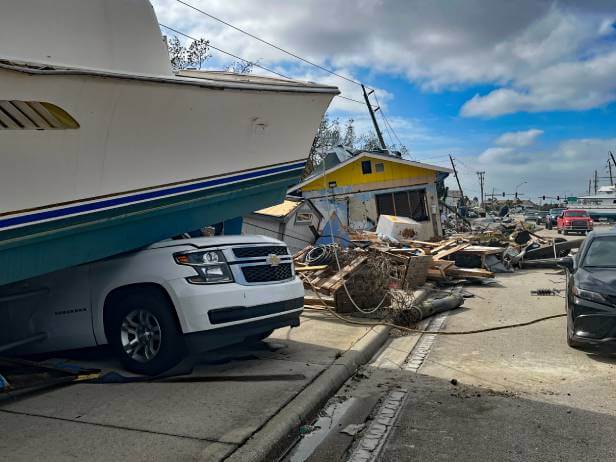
(273,260)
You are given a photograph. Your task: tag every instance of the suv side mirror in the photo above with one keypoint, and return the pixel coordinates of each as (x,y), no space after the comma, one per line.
(567,262)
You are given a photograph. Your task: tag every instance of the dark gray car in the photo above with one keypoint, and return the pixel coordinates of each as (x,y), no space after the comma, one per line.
(591,291)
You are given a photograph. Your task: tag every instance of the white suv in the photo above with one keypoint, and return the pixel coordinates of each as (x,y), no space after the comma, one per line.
(154,305)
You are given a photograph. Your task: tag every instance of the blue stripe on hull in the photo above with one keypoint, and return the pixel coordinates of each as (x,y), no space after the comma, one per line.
(50,246)
(144,196)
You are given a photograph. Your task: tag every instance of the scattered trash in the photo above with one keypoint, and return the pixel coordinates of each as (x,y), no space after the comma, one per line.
(306,429)
(546,292)
(353,429)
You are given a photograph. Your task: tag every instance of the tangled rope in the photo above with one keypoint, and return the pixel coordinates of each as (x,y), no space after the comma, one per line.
(420,331)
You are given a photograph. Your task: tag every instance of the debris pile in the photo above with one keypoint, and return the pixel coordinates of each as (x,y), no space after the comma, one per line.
(391,273)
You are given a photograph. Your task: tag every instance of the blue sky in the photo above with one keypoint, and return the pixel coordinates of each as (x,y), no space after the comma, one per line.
(524,90)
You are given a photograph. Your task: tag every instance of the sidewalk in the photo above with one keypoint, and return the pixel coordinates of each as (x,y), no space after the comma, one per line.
(252,396)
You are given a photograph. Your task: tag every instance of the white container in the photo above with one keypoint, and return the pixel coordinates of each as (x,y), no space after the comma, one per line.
(402,228)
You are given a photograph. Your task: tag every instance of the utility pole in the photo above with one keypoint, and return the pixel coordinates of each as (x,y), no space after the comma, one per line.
(608,163)
(596,181)
(374,122)
(481,175)
(455,172)
(589,185)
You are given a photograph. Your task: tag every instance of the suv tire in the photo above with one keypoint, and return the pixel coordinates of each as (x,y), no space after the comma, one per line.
(143,332)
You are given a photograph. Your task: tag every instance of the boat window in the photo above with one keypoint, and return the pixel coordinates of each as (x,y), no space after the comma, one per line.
(366,167)
(34,115)
(602,252)
(379,167)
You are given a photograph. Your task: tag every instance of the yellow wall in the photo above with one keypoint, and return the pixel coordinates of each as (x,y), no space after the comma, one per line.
(351,174)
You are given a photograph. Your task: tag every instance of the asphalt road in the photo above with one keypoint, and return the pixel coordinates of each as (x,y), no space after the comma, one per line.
(521,394)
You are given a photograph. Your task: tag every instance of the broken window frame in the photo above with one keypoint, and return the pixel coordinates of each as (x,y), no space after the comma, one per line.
(414,205)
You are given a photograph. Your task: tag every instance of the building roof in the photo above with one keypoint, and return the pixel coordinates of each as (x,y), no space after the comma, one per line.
(280,210)
(364,154)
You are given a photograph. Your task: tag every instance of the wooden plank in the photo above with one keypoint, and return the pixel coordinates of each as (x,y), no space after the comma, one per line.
(320,276)
(337,278)
(468,272)
(302,252)
(444,264)
(415,252)
(482,250)
(441,266)
(446,252)
(423,243)
(317,301)
(301,269)
(434,273)
(400,259)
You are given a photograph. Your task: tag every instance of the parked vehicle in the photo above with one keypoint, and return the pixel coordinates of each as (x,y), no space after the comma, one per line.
(591,291)
(155,305)
(541,217)
(551,217)
(573,220)
(531,214)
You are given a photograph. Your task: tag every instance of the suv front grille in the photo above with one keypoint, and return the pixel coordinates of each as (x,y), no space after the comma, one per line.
(267,273)
(251,252)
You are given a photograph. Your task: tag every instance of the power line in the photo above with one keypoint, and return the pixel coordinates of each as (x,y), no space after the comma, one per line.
(385,119)
(226,52)
(255,64)
(267,43)
(351,99)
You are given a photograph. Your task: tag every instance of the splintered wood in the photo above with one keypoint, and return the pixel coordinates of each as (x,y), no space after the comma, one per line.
(326,280)
(412,261)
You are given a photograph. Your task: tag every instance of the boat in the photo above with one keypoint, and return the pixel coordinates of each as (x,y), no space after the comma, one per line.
(600,206)
(104,149)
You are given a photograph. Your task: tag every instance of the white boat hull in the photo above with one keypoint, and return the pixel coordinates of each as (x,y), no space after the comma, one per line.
(136,134)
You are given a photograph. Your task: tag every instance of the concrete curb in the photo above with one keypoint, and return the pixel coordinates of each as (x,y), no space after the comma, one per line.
(277,434)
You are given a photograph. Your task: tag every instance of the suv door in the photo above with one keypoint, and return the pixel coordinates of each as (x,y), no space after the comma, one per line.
(57,304)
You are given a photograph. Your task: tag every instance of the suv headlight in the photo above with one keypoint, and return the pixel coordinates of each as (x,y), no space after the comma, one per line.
(589,295)
(210,265)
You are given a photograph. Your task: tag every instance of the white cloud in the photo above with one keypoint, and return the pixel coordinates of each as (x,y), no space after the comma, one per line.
(539,55)
(572,85)
(521,138)
(496,154)
(565,168)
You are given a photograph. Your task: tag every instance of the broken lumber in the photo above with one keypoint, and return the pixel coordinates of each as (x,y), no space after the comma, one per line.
(441,254)
(302,269)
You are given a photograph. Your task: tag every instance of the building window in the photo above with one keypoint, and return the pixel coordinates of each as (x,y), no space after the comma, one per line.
(411,204)
(366,167)
(304,218)
(379,168)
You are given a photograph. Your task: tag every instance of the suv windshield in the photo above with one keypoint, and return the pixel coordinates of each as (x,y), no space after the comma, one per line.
(601,253)
(576,213)
(556,211)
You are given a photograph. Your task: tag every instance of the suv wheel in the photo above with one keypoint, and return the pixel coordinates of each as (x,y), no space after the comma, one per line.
(143,331)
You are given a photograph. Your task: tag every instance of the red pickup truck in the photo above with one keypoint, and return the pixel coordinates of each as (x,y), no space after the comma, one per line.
(571,220)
